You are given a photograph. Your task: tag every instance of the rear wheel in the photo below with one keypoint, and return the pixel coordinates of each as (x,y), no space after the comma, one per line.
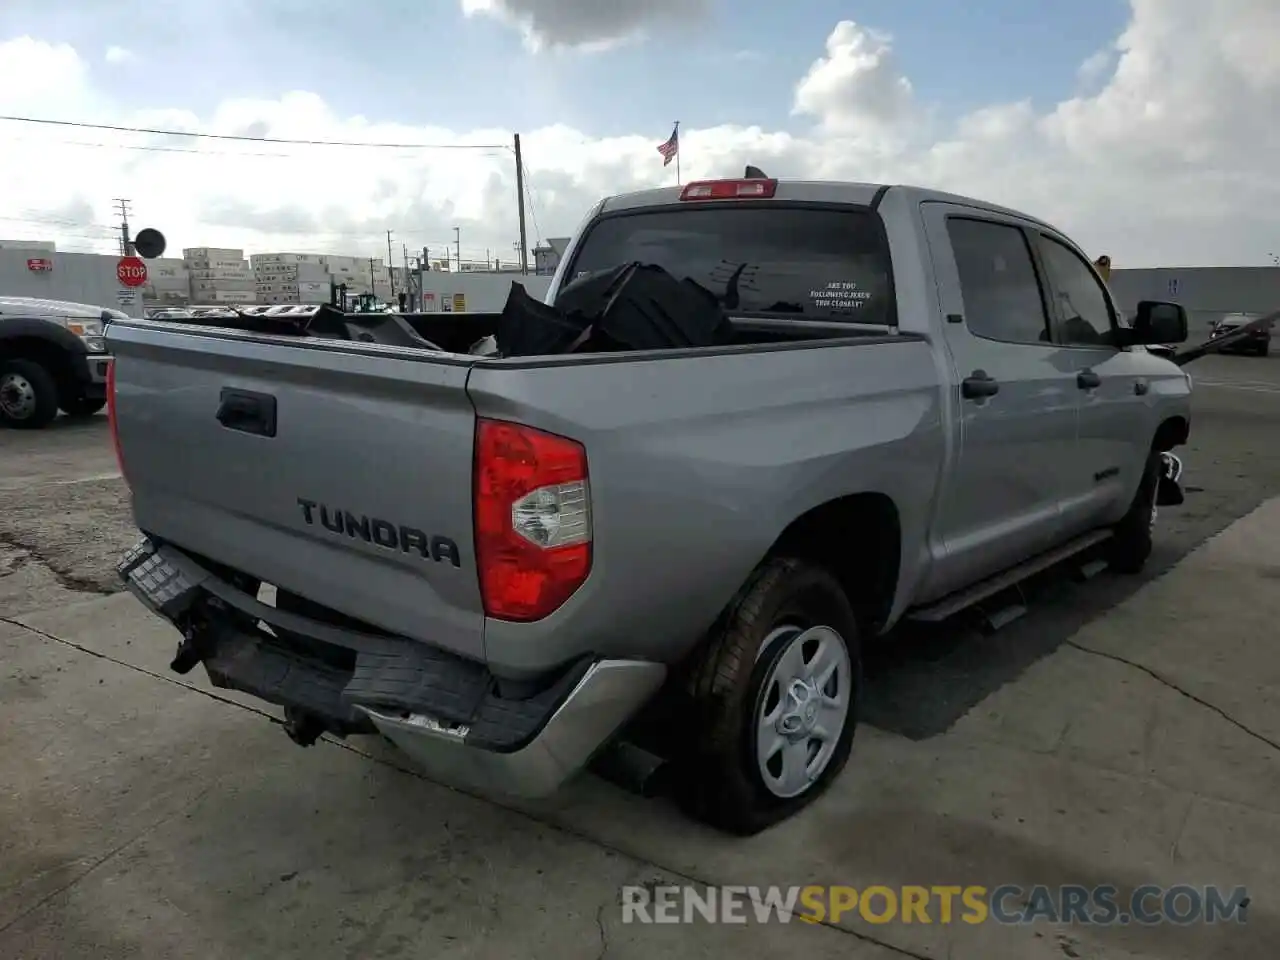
(774,698)
(28,394)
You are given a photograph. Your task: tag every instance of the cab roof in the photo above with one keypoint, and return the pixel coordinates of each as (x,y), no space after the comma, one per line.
(812,191)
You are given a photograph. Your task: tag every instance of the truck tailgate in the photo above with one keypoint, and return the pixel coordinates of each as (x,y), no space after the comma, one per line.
(339,472)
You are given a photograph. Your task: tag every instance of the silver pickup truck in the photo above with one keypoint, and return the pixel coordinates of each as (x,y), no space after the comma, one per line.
(503,564)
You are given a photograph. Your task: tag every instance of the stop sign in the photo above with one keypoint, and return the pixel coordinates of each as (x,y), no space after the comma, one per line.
(131,272)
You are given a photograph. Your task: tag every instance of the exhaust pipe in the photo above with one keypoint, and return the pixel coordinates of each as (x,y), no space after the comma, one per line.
(632,768)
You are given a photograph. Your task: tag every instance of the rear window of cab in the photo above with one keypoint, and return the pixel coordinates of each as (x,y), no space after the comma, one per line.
(812,263)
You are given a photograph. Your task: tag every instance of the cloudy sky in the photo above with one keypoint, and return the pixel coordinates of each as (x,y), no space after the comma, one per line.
(1147,129)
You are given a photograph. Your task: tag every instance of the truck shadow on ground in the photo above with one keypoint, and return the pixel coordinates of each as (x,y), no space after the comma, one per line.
(922,678)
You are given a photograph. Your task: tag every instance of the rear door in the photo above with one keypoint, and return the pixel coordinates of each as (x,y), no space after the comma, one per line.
(1111,392)
(339,472)
(1015,396)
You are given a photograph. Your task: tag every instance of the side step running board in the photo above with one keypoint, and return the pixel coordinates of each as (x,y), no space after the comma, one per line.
(953,603)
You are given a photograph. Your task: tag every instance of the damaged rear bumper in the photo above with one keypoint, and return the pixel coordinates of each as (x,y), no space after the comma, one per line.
(442,711)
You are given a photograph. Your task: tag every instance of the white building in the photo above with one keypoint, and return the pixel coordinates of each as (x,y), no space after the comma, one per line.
(546,255)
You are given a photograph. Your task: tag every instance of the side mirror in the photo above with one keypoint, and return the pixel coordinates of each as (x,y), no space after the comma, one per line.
(1159,322)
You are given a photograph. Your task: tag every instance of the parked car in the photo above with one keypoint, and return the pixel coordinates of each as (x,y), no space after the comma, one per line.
(52,357)
(506,565)
(1257,342)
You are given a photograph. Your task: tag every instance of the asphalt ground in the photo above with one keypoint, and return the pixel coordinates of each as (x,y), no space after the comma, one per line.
(1124,731)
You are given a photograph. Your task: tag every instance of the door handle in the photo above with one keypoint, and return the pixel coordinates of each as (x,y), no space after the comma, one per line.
(1087,380)
(1140,387)
(979,384)
(247,412)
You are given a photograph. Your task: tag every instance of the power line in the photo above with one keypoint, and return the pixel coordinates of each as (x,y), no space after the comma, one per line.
(532,194)
(493,153)
(243,138)
(111,235)
(55,222)
(110,232)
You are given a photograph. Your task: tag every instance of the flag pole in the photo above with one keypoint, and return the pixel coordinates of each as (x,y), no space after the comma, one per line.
(678,180)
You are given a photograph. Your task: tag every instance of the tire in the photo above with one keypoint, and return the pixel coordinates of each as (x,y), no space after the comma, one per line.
(1131,541)
(789,611)
(28,395)
(1264,349)
(82,407)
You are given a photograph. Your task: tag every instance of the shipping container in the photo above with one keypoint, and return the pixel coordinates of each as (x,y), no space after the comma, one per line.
(228,296)
(291,259)
(222,274)
(212,253)
(198,286)
(218,264)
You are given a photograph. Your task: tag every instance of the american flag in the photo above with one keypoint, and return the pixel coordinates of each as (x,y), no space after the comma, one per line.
(671,147)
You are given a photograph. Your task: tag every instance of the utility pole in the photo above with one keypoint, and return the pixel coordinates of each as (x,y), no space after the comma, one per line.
(126,244)
(524,263)
(408,283)
(423,264)
(373,284)
(391,276)
(457,247)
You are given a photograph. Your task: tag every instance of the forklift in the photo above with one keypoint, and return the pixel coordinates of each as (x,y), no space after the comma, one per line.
(359,303)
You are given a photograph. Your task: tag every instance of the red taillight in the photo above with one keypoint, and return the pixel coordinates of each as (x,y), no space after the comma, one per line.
(111,416)
(729,190)
(532,519)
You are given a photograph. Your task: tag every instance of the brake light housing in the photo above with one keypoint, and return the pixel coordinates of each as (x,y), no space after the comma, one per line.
(532,502)
(111,417)
(746,189)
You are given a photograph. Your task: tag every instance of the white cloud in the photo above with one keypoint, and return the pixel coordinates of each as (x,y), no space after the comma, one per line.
(586,24)
(856,87)
(1095,67)
(118,55)
(1169,160)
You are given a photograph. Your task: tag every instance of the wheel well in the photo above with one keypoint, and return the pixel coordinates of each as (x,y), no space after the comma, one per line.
(49,355)
(1172,433)
(857,538)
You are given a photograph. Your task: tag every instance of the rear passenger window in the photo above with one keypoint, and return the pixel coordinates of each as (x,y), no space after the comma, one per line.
(998,282)
(1083,309)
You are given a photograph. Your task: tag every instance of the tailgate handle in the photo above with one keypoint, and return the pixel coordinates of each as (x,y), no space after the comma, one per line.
(247,412)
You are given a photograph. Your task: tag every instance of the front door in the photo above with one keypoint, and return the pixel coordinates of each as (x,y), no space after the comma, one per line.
(1017,403)
(1112,432)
